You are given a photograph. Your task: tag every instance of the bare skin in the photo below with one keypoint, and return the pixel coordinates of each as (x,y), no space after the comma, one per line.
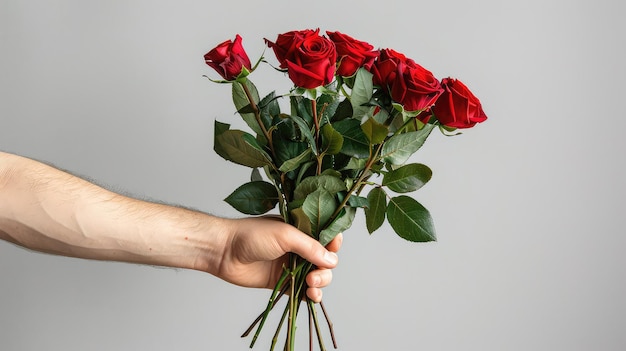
(48,210)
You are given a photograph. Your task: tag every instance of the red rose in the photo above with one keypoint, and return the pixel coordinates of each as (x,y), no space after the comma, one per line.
(457,107)
(385,67)
(409,84)
(309,58)
(352,53)
(228,59)
(287,43)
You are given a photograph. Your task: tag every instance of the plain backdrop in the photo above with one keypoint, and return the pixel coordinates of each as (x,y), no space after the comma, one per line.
(528,205)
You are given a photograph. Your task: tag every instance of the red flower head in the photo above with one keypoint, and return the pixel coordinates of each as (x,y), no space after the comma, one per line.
(228,58)
(352,53)
(308,57)
(458,107)
(409,84)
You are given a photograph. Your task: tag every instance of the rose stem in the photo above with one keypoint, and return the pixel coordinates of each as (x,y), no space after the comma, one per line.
(356,184)
(258,319)
(280,325)
(330,324)
(311,305)
(291,324)
(270,305)
(257,115)
(310,330)
(317,135)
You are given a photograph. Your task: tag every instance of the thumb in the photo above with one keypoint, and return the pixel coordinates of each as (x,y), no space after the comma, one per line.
(308,248)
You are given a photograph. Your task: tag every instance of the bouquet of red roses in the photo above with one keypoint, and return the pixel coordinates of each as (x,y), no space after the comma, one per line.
(356,116)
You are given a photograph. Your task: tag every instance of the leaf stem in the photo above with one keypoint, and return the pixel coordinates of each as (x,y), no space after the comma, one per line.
(363,176)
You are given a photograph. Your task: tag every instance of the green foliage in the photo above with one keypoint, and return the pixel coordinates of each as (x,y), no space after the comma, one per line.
(235,146)
(407,178)
(322,155)
(339,225)
(375,211)
(240,99)
(410,220)
(332,140)
(355,143)
(400,147)
(254,198)
(375,132)
(361,94)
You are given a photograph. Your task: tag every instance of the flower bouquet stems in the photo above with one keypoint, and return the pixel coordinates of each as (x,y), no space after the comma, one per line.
(356,116)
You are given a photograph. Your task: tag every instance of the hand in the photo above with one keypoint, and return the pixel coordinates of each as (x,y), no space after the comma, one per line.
(257,250)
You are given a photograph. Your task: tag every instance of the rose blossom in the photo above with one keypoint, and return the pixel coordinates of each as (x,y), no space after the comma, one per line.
(352,53)
(309,58)
(228,58)
(409,84)
(287,43)
(457,107)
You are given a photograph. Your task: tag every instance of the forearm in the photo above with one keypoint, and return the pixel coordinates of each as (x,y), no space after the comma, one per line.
(47,210)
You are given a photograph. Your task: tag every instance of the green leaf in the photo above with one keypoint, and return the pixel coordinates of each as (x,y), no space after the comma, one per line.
(306,131)
(399,148)
(407,178)
(375,132)
(344,110)
(358,201)
(232,146)
(269,109)
(327,104)
(294,163)
(255,175)
(328,183)
(301,106)
(381,116)
(285,149)
(410,220)
(355,142)
(355,163)
(254,198)
(285,127)
(252,141)
(220,127)
(301,220)
(332,140)
(240,99)
(361,93)
(375,212)
(340,224)
(319,207)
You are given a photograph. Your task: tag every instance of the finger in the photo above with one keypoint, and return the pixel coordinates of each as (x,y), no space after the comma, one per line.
(314,294)
(308,248)
(335,244)
(319,278)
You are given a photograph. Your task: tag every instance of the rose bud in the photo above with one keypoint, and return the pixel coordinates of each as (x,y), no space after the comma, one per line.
(457,107)
(229,59)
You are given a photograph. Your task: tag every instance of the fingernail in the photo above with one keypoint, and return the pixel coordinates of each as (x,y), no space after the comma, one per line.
(331,257)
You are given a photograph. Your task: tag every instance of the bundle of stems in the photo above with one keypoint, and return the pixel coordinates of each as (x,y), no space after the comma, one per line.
(292,283)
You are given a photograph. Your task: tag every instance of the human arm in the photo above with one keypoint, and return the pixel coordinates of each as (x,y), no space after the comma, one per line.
(48,210)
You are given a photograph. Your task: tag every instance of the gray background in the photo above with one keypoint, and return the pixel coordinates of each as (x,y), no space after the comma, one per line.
(527,205)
